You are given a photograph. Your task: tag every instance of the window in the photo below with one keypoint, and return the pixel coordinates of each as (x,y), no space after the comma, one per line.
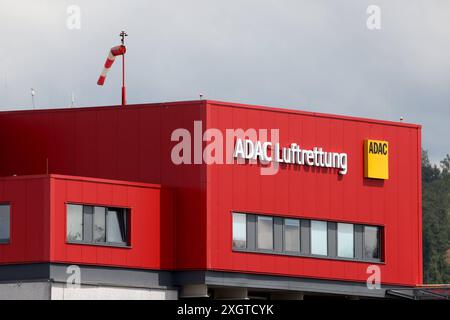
(371,242)
(100,225)
(74,222)
(265,233)
(5,217)
(345,240)
(319,238)
(305,238)
(116,226)
(292,235)
(239,230)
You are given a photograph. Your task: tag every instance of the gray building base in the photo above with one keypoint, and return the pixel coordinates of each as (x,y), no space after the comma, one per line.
(47,281)
(273,287)
(60,281)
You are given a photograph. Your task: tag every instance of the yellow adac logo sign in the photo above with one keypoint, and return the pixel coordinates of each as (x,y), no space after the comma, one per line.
(376,159)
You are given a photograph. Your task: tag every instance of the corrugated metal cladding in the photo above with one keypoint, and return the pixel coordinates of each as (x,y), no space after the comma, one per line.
(194,229)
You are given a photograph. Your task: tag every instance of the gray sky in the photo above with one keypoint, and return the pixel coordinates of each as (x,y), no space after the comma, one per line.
(315,55)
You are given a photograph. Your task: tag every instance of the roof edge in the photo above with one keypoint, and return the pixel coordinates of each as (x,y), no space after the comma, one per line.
(83,179)
(227,104)
(313,114)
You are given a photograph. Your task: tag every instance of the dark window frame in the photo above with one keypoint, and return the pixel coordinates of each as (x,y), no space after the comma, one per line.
(8,241)
(305,231)
(125,210)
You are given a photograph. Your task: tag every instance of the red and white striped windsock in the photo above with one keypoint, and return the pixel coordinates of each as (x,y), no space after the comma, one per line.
(113,53)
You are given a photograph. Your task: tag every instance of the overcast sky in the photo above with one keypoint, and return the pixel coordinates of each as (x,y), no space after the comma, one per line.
(315,55)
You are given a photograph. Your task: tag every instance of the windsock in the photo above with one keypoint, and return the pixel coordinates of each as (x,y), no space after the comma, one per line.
(113,53)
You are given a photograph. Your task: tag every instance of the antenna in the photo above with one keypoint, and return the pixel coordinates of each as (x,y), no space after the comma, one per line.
(72,101)
(122,35)
(33,93)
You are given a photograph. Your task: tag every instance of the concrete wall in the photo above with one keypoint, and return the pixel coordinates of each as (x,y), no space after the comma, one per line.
(61,291)
(25,291)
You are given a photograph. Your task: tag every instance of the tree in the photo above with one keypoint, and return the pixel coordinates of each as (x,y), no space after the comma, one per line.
(445,165)
(436,221)
(429,172)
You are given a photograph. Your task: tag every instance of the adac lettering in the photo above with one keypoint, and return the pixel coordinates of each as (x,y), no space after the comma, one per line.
(378,148)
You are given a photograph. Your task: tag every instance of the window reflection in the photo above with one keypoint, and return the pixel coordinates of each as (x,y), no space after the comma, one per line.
(239,230)
(292,235)
(106,226)
(99,224)
(116,224)
(265,233)
(5,217)
(319,238)
(74,222)
(345,239)
(371,242)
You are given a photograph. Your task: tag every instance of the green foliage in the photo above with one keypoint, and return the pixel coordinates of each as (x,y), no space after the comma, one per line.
(436,220)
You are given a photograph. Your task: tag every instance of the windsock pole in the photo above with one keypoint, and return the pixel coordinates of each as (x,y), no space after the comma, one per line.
(123,34)
(124,95)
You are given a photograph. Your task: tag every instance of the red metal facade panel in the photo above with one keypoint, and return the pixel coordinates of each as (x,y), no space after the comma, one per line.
(132,143)
(193,229)
(146,211)
(29,224)
(38,221)
(308,192)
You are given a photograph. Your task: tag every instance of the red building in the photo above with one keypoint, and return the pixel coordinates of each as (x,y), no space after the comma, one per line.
(102,188)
